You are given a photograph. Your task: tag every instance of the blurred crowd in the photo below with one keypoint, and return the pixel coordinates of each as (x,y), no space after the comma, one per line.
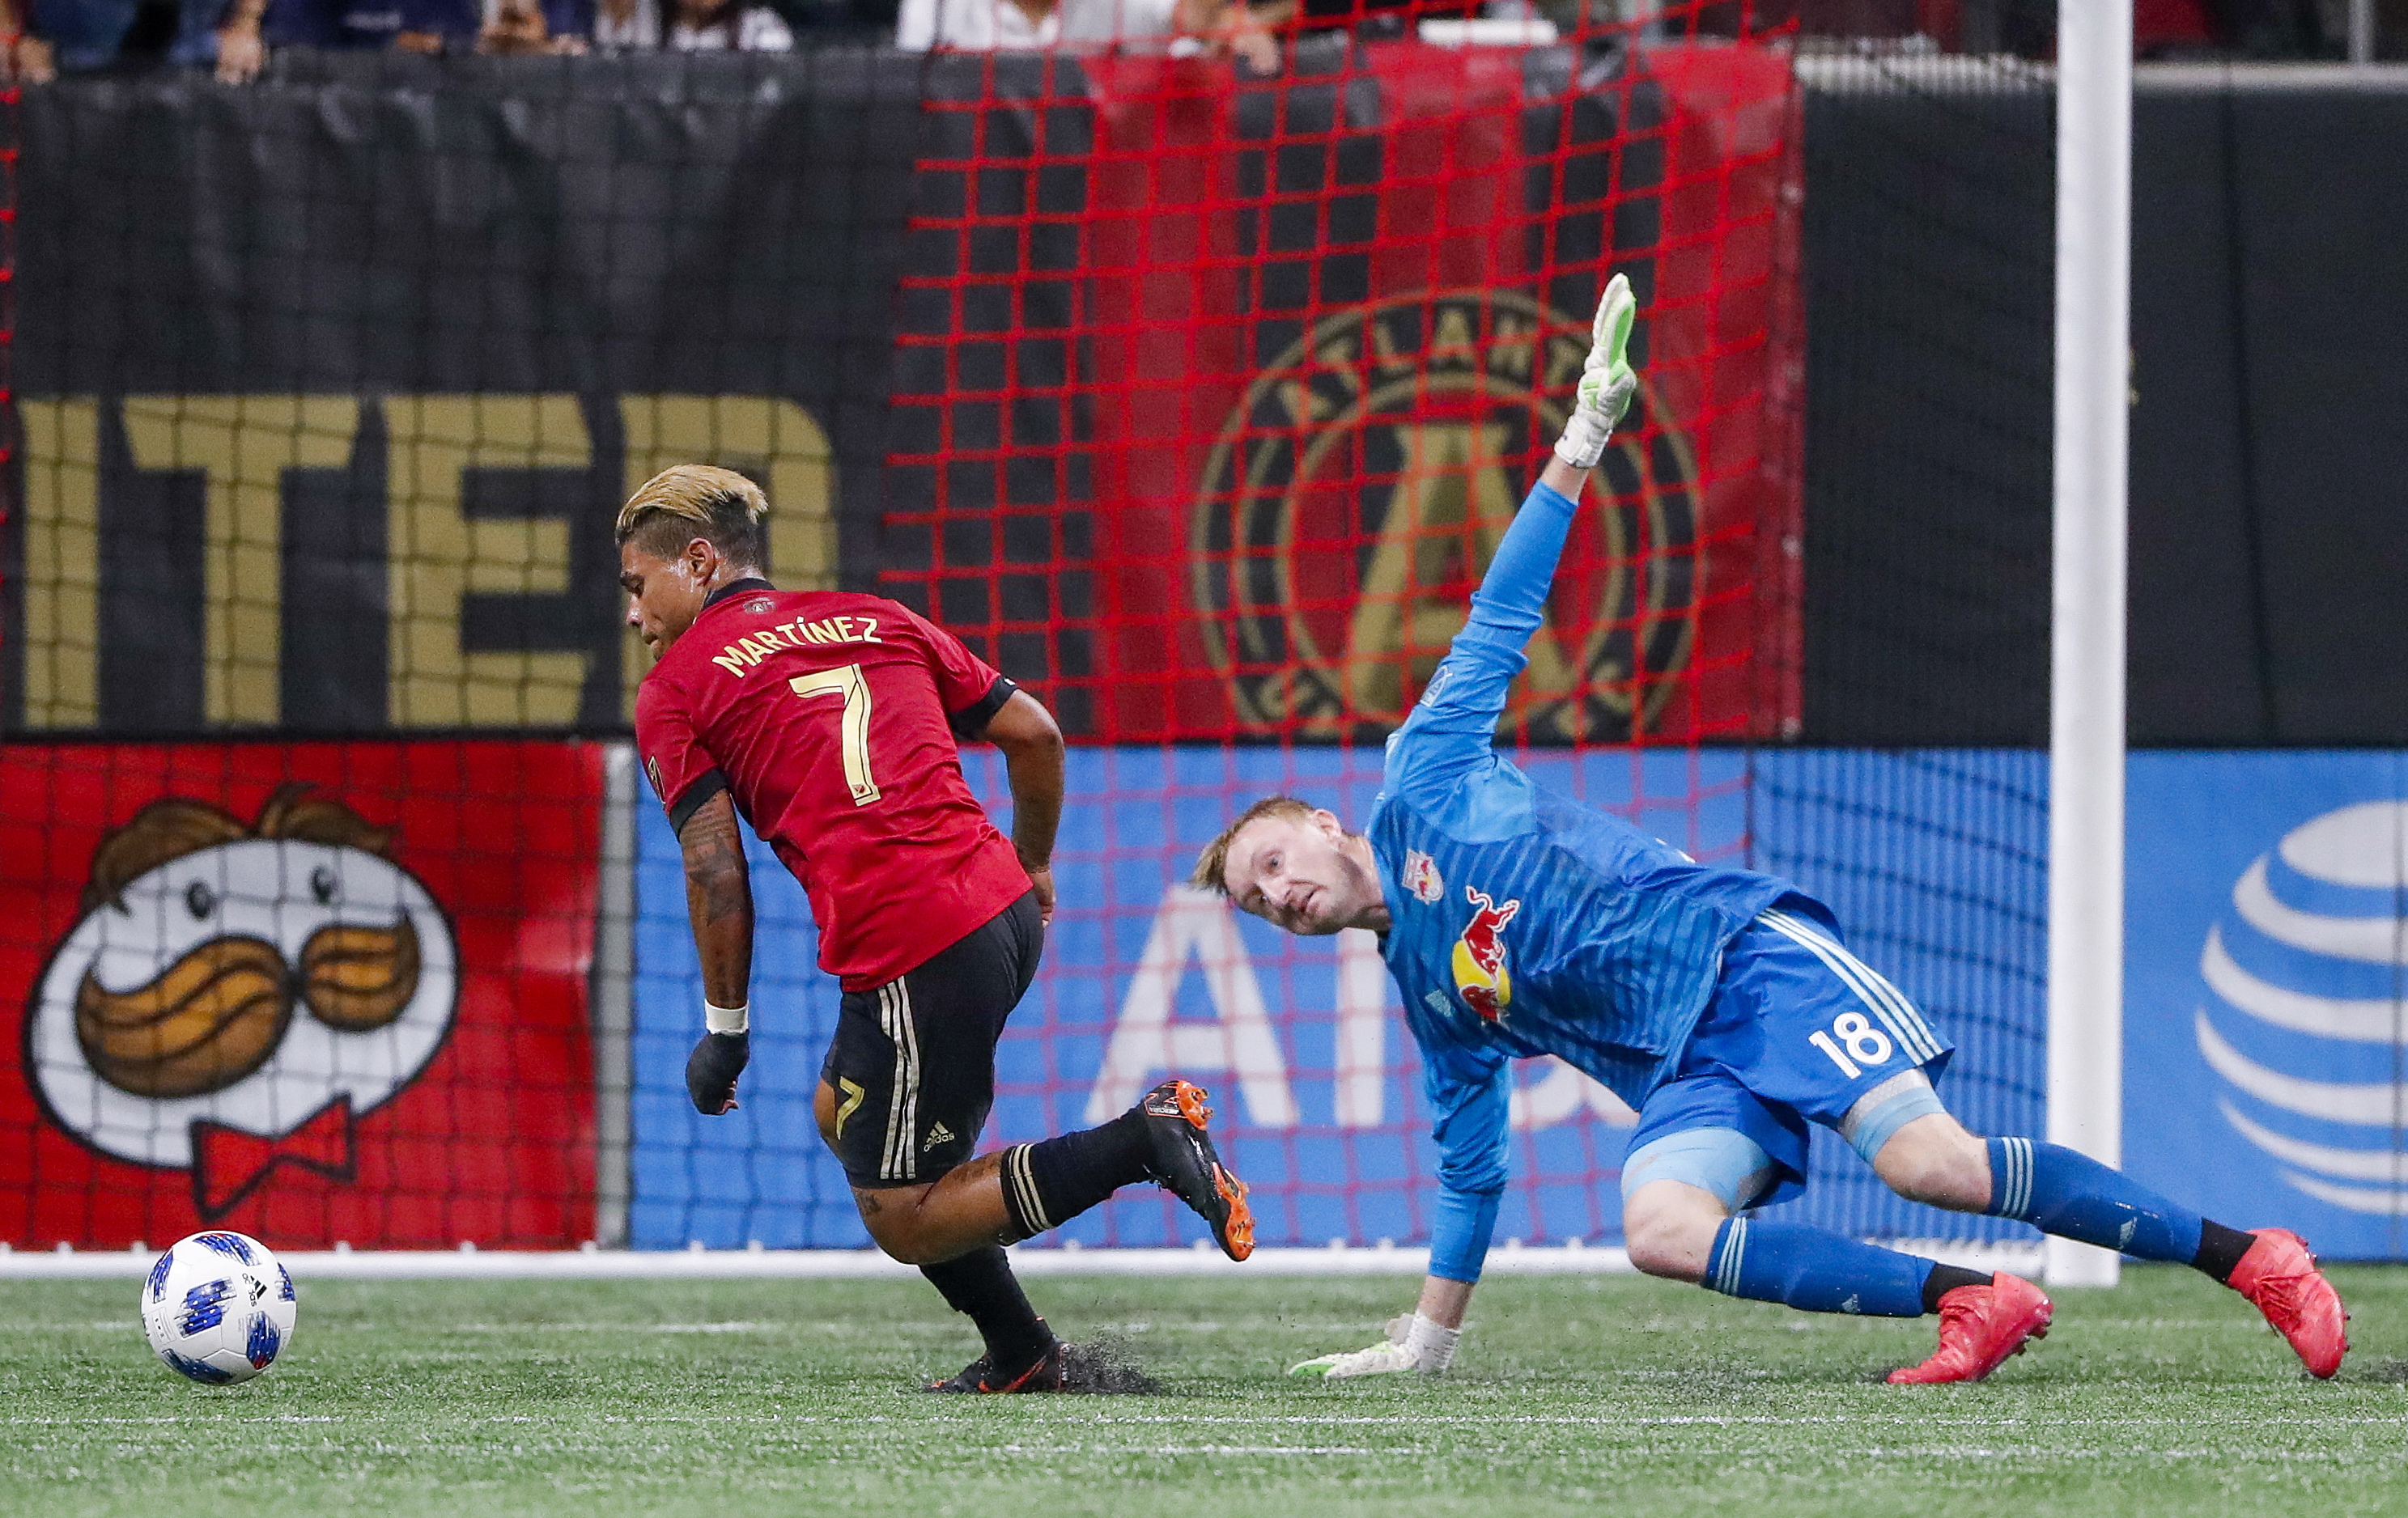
(45,39)
(234,37)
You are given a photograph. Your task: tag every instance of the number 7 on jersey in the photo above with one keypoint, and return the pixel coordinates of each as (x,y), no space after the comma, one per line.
(854,727)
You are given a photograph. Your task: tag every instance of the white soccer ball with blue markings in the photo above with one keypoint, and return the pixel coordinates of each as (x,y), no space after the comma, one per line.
(219,1306)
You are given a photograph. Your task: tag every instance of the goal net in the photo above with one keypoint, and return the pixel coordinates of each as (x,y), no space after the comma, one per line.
(1193,394)
(1212,392)
(1915,801)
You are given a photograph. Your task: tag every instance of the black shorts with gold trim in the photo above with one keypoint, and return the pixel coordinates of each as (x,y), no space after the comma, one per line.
(913,1062)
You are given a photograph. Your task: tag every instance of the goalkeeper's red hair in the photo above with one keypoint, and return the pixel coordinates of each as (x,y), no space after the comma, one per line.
(1212,871)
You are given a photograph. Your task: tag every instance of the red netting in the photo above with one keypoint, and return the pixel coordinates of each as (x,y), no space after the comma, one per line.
(1215,393)
(1211,392)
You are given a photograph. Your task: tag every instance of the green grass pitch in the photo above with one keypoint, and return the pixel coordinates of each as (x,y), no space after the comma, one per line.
(1600,1395)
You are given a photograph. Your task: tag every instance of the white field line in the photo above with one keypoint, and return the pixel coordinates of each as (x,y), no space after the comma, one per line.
(851,1265)
(1917,1420)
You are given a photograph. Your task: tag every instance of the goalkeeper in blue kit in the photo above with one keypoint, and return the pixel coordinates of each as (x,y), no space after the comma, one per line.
(1721,1004)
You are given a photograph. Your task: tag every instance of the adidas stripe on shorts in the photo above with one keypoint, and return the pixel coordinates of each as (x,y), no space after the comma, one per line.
(913,1062)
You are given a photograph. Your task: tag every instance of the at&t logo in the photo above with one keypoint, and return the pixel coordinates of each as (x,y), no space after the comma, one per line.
(2304,1021)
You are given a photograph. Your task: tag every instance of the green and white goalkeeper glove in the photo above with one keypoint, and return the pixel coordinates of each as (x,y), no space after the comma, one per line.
(1607,381)
(1413,1343)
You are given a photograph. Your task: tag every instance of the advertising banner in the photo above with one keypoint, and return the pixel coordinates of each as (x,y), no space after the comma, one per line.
(331,390)
(1198,401)
(2265,1016)
(1314,1077)
(319,992)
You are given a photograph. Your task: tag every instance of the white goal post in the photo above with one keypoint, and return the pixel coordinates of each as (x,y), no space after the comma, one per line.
(2087,734)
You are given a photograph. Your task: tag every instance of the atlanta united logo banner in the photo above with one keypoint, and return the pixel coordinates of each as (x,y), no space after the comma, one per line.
(1305,344)
(319,992)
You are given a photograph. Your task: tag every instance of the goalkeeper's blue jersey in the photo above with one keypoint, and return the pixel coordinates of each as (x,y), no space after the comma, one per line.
(1523,922)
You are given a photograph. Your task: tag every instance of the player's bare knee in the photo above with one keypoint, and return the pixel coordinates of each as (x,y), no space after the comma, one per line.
(1669,1229)
(897,1224)
(1934,1160)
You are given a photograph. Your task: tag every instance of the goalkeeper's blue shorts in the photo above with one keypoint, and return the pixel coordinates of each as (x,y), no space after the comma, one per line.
(1798,1031)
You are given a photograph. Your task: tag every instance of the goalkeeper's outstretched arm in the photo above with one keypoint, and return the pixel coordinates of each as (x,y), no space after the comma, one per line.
(1471,1091)
(1511,599)
(1445,742)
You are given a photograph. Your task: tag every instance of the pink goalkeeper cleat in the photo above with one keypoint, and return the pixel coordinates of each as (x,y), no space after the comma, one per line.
(2281,1279)
(1979,1327)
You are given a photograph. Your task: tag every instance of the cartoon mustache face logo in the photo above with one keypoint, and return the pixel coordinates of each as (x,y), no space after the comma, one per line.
(237,996)
(219,1012)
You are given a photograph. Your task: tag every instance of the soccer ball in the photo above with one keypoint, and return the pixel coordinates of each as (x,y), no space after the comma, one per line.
(217,1306)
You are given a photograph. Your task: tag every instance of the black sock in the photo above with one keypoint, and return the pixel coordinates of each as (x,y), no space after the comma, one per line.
(1047,1185)
(1945,1278)
(980,1283)
(2220,1248)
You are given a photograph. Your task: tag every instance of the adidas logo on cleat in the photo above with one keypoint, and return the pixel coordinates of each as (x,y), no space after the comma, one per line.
(938,1134)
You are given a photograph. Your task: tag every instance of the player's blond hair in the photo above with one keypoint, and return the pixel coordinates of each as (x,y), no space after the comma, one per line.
(686,501)
(1212,865)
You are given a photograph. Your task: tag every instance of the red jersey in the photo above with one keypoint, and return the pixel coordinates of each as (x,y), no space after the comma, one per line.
(831,720)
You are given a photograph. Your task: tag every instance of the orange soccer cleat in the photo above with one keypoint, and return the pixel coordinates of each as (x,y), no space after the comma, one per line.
(1048,1372)
(1979,1327)
(1186,1162)
(2281,1279)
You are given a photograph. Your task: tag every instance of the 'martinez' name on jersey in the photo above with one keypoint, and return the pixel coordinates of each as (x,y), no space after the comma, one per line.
(742,655)
(832,720)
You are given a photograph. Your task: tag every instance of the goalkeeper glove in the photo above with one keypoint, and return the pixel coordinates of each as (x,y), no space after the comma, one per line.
(1415,1343)
(1607,381)
(712,1069)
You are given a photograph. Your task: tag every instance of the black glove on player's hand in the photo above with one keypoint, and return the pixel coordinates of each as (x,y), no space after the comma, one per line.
(712,1069)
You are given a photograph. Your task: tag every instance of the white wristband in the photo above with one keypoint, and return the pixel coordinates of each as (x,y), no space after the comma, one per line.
(727,1018)
(1583,444)
(1430,1345)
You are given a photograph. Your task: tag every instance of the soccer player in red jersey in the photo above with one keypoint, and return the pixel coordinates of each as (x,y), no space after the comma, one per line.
(829,721)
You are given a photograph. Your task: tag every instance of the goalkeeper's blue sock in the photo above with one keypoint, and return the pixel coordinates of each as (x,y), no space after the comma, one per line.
(1815,1271)
(2059,1191)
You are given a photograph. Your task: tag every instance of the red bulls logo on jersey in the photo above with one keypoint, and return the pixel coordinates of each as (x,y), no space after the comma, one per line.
(1480,974)
(1422,877)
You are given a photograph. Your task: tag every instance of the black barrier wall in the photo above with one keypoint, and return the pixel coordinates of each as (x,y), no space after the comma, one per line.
(2267,554)
(629,247)
(564,272)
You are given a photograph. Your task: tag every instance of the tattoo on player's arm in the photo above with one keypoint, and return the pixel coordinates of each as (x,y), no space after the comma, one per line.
(716,881)
(719,900)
